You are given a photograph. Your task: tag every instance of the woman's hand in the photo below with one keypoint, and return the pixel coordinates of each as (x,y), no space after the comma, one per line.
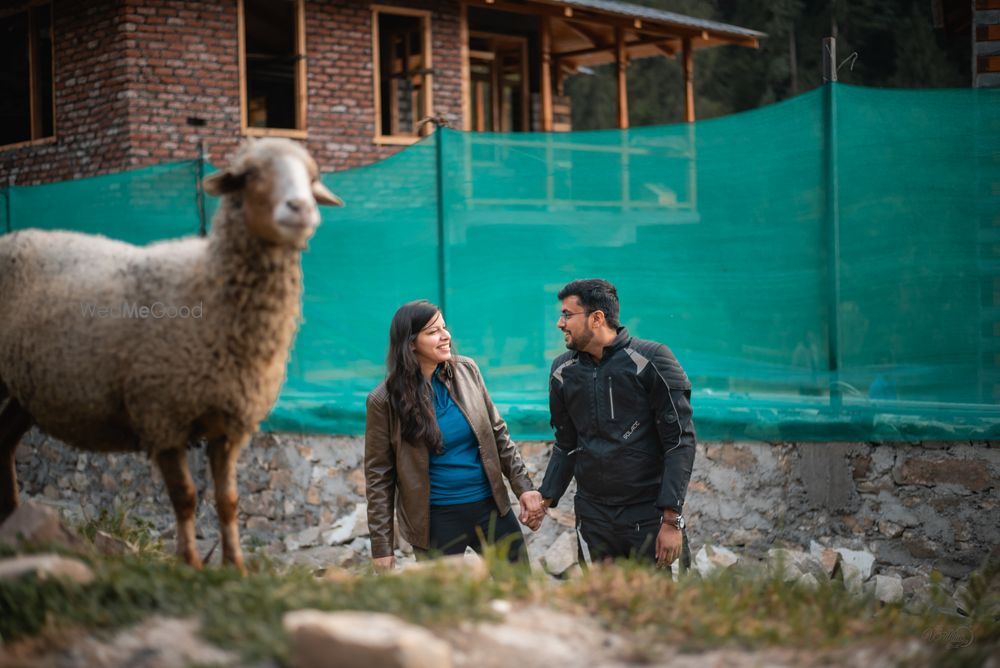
(384,564)
(532,509)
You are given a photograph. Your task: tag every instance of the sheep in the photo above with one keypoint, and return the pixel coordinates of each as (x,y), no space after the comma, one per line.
(112,347)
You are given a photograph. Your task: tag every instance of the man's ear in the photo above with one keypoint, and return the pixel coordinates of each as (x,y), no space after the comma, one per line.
(224,182)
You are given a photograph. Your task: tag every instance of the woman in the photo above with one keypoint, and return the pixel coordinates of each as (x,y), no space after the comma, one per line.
(434,439)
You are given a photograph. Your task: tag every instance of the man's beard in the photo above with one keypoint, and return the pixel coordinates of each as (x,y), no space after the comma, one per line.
(581,342)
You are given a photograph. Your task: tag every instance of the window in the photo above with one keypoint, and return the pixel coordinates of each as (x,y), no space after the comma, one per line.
(26,60)
(498,78)
(401,42)
(272,67)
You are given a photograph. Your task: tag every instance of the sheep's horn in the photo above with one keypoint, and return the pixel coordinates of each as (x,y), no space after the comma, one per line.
(324,196)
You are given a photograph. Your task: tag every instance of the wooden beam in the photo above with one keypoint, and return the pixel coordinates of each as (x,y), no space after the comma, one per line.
(688,82)
(241,46)
(586,33)
(463,36)
(34,95)
(576,53)
(546,74)
(301,85)
(666,49)
(621,62)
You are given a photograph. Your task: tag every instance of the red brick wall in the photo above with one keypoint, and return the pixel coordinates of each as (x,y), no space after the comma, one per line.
(91,115)
(182,61)
(130,72)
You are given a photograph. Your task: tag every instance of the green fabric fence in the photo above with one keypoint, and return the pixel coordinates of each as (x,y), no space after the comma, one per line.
(826,268)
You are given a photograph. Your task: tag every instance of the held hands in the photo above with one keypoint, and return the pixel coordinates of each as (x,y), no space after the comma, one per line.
(533,509)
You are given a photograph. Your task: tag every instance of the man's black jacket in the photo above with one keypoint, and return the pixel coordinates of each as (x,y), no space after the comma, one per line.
(623,426)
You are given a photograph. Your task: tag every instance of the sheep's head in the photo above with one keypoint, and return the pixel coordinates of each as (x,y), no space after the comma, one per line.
(280,188)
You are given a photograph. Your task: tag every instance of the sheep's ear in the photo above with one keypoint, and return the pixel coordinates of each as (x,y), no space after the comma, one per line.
(324,196)
(223,182)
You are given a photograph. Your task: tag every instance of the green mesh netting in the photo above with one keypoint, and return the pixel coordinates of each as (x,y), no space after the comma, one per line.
(824,268)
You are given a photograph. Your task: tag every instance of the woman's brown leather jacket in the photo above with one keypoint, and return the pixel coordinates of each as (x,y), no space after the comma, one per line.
(396,472)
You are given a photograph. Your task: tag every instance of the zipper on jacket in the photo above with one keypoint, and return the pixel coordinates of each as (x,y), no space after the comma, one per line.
(611,398)
(597,419)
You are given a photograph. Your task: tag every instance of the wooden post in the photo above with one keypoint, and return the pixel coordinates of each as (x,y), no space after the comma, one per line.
(621,61)
(829,59)
(688,81)
(546,74)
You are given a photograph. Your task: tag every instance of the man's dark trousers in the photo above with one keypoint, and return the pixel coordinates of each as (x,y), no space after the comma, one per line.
(621,532)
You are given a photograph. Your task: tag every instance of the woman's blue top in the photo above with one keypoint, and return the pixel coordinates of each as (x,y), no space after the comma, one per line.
(457,474)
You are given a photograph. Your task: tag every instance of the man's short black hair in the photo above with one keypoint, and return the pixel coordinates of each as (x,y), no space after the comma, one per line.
(595,294)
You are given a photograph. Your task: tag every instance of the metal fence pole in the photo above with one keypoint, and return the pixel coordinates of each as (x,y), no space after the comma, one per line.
(8,192)
(202,158)
(831,216)
(440,123)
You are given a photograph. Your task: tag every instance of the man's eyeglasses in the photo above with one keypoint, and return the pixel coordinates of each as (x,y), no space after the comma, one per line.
(566,315)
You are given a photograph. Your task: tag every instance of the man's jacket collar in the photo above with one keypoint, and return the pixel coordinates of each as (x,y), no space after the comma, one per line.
(620,341)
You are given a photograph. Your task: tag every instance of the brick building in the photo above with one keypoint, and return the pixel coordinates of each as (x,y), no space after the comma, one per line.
(100,86)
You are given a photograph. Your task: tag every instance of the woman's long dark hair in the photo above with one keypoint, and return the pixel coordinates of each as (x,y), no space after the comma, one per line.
(409,392)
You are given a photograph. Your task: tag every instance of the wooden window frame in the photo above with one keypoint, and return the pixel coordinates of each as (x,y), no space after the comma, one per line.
(425,16)
(32,93)
(525,111)
(301,85)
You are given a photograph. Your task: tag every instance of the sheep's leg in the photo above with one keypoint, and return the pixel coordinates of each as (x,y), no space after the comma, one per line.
(14,422)
(223,455)
(173,465)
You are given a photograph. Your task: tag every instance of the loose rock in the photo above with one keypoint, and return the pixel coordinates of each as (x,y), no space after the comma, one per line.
(561,554)
(46,566)
(36,524)
(361,640)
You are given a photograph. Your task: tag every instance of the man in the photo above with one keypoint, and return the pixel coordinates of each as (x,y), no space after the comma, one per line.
(621,410)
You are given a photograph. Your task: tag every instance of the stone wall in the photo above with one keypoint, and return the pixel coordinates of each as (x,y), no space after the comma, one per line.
(914,506)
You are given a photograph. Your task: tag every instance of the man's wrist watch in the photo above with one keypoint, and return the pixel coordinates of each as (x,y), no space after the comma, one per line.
(677,522)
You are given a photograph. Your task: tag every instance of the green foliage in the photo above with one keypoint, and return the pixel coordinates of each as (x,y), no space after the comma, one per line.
(119,523)
(895,42)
